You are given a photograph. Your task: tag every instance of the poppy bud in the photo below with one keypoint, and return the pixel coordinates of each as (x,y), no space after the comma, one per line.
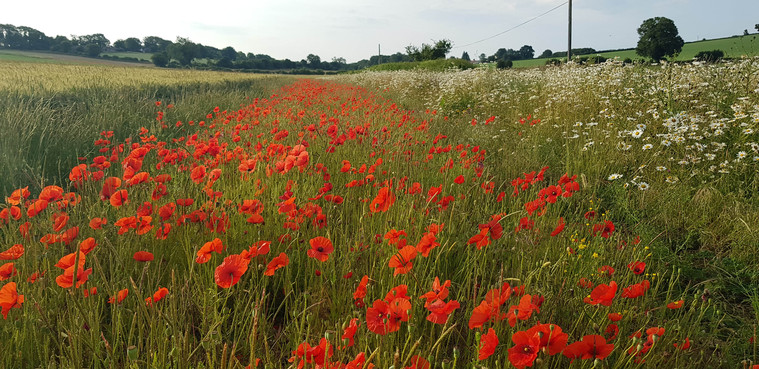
(596,363)
(328,335)
(455,352)
(538,361)
(132,352)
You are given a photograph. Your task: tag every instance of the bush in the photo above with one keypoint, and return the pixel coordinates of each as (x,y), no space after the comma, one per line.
(710,56)
(504,64)
(553,61)
(627,61)
(160,59)
(598,59)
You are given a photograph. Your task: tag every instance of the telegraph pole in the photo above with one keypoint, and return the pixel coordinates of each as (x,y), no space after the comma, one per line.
(379,54)
(569,33)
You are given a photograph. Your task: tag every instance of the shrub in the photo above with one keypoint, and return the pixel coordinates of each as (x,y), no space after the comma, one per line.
(710,56)
(504,64)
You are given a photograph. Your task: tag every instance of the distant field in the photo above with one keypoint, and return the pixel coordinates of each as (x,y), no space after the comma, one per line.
(47,57)
(733,47)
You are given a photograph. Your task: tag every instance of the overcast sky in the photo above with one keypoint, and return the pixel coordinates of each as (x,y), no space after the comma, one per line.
(353,29)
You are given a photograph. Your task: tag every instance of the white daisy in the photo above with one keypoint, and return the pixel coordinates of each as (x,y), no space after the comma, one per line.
(615,176)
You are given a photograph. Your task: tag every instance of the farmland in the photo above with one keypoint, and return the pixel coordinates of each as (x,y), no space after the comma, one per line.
(572,216)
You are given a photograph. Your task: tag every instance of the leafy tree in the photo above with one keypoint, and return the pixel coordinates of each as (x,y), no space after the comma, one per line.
(97,39)
(119,45)
(313,61)
(465,56)
(184,51)
(658,38)
(756,27)
(229,52)
(429,52)
(133,44)
(745,32)
(483,58)
(526,52)
(154,44)
(339,60)
(160,59)
(546,54)
(61,44)
(92,50)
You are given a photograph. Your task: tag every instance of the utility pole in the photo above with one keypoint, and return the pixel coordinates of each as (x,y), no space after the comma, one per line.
(569,33)
(379,54)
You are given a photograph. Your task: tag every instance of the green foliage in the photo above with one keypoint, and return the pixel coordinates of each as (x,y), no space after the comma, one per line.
(160,59)
(465,56)
(431,65)
(184,51)
(658,38)
(429,52)
(546,54)
(154,44)
(504,64)
(710,56)
(92,50)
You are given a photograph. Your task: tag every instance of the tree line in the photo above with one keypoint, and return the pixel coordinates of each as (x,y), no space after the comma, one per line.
(179,53)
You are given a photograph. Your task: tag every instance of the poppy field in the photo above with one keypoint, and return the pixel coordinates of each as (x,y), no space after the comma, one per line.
(399,219)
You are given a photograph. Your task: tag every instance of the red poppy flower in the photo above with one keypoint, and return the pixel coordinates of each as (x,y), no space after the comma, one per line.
(488,343)
(7,271)
(401,260)
(384,199)
(636,290)
(120,296)
(278,262)
(9,298)
(143,256)
(685,345)
(637,267)
(603,294)
(559,227)
(204,254)
(97,223)
(360,292)
(551,336)
(615,317)
(440,311)
(438,292)
(350,331)
(13,253)
(591,347)
(523,311)
(426,244)
(418,362)
(119,198)
(229,272)
(525,350)
(676,304)
(606,228)
(321,247)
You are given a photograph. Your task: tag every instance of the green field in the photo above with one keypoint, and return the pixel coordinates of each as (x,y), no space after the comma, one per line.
(734,47)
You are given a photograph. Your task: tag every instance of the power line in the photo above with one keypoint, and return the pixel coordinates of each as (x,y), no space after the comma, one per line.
(515,27)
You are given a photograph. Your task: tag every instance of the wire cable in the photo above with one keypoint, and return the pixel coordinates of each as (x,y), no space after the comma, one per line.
(513,28)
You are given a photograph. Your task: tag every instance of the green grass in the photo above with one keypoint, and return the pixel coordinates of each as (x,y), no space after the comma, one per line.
(734,47)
